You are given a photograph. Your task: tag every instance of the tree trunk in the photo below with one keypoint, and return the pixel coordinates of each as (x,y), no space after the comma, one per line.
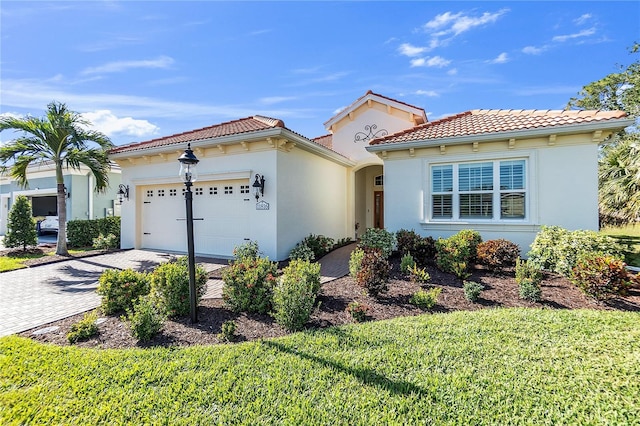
(61,248)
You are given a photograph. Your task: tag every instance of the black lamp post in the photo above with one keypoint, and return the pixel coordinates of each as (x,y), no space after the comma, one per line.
(188,174)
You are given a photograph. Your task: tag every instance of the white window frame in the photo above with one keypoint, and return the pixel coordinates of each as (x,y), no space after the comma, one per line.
(529,191)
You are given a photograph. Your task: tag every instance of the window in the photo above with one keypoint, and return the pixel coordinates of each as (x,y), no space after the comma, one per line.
(172,193)
(198,191)
(228,189)
(160,192)
(378,180)
(213,190)
(491,190)
(244,189)
(149,192)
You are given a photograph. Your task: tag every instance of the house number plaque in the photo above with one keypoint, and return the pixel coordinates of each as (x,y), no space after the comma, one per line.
(262,205)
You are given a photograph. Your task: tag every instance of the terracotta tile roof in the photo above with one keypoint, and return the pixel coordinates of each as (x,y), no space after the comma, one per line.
(486,121)
(326,140)
(243,125)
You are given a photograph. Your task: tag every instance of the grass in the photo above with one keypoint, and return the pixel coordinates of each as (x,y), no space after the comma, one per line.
(629,237)
(11,263)
(499,366)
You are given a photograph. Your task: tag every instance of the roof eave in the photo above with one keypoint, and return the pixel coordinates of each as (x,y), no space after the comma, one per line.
(612,125)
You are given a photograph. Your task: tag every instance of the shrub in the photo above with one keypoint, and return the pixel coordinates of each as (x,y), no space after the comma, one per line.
(81,233)
(248,285)
(295,294)
(358,311)
(302,252)
(457,251)
(472,290)
(407,263)
(105,243)
(145,319)
(601,276)
(355,261)
(228,331)
(496,254)
(529,290)
(558,250)
(374,271)
(170,286)
(246,251)
(319,244)
(379,239)
(83,329)
(419,275)
(121,289)
(526,269)
(423,249)
(21,227)
(426,299)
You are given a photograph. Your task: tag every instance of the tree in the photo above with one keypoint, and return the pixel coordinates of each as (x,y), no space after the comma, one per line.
(61,137)
(21,226)
(619,163)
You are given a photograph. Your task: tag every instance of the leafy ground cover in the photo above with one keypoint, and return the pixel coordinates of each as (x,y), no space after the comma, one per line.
(492,366)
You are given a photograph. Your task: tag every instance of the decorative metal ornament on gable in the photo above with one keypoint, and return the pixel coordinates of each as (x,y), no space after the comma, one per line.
(371,133)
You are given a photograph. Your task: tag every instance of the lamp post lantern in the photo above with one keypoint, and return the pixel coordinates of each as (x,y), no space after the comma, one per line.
(188,174)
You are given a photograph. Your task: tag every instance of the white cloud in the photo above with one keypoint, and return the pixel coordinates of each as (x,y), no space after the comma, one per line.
(407,49)
(532,50)
(583,33)
(453,71)
(433,62)
(11,115)
(500,59)
(458,23)
(429,93)
(108,123)
(120,66)
(581,20)
(270,100)
(419,62)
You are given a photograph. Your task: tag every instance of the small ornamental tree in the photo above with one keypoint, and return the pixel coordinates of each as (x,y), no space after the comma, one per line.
(21,227)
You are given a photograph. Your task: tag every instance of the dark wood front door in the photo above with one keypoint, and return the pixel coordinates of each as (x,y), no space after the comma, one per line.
(378,209)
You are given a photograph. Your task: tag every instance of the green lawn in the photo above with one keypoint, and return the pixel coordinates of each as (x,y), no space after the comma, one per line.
(11,263)
(495,366)
(629,237)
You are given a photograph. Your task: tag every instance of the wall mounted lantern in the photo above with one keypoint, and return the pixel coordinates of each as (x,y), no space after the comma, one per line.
(123,193)
(188,162)
(258,186)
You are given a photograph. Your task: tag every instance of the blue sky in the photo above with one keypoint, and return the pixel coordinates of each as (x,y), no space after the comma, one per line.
(144,69)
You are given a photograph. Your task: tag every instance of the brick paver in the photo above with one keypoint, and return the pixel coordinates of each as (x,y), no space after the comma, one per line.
(32,297)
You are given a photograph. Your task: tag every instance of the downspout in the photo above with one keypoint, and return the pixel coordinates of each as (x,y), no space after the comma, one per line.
(90,195)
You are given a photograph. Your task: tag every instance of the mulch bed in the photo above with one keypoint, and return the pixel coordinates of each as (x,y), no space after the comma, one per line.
(500,292)
(48,250)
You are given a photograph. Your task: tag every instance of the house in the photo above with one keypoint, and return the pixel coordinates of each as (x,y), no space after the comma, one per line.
(82,201)
(382,164)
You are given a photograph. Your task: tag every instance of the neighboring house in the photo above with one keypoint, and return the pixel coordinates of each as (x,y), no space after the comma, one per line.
(82,200)
(382,164)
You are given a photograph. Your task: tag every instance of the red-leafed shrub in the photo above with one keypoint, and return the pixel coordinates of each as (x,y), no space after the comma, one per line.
(497,254)
(423,249)
(602,276)
(374,271)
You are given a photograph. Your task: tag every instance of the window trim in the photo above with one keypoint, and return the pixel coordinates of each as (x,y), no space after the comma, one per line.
(530,160)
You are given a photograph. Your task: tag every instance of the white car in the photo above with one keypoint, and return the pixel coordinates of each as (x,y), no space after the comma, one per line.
(48,225)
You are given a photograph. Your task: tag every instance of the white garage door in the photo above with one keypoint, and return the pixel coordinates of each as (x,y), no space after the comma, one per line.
(220,209)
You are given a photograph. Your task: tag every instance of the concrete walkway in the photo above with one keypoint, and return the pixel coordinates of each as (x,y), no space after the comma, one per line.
(32,297)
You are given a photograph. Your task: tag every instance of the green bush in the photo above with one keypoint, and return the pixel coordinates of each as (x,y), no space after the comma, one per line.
(302,252)
(121,289)
(248,285)
(81,233)
(83,329)
(526,269)
(105,243)
(407,263)
(295,294)
(601,277)
(374,271)
(21,227)
(246,251)
(358,311)
(380,239)
(170,286)
(529,290)
(355,261)
(145,319)
(456,252)
(419,275)
(497,254)
(319,245)
(558,250)
(228,331)
(426,299)
(472,290)
(423,249)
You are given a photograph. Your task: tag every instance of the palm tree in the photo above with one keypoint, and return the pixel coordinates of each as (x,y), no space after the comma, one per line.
(60,137)
(619,179)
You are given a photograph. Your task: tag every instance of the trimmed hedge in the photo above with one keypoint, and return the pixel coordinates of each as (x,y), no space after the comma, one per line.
(81,233)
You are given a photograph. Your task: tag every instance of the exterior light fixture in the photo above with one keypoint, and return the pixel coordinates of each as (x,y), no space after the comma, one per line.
(188,174)
(123,193)
(258,186)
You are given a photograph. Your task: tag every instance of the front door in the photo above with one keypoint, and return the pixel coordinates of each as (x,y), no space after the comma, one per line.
(378,209)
